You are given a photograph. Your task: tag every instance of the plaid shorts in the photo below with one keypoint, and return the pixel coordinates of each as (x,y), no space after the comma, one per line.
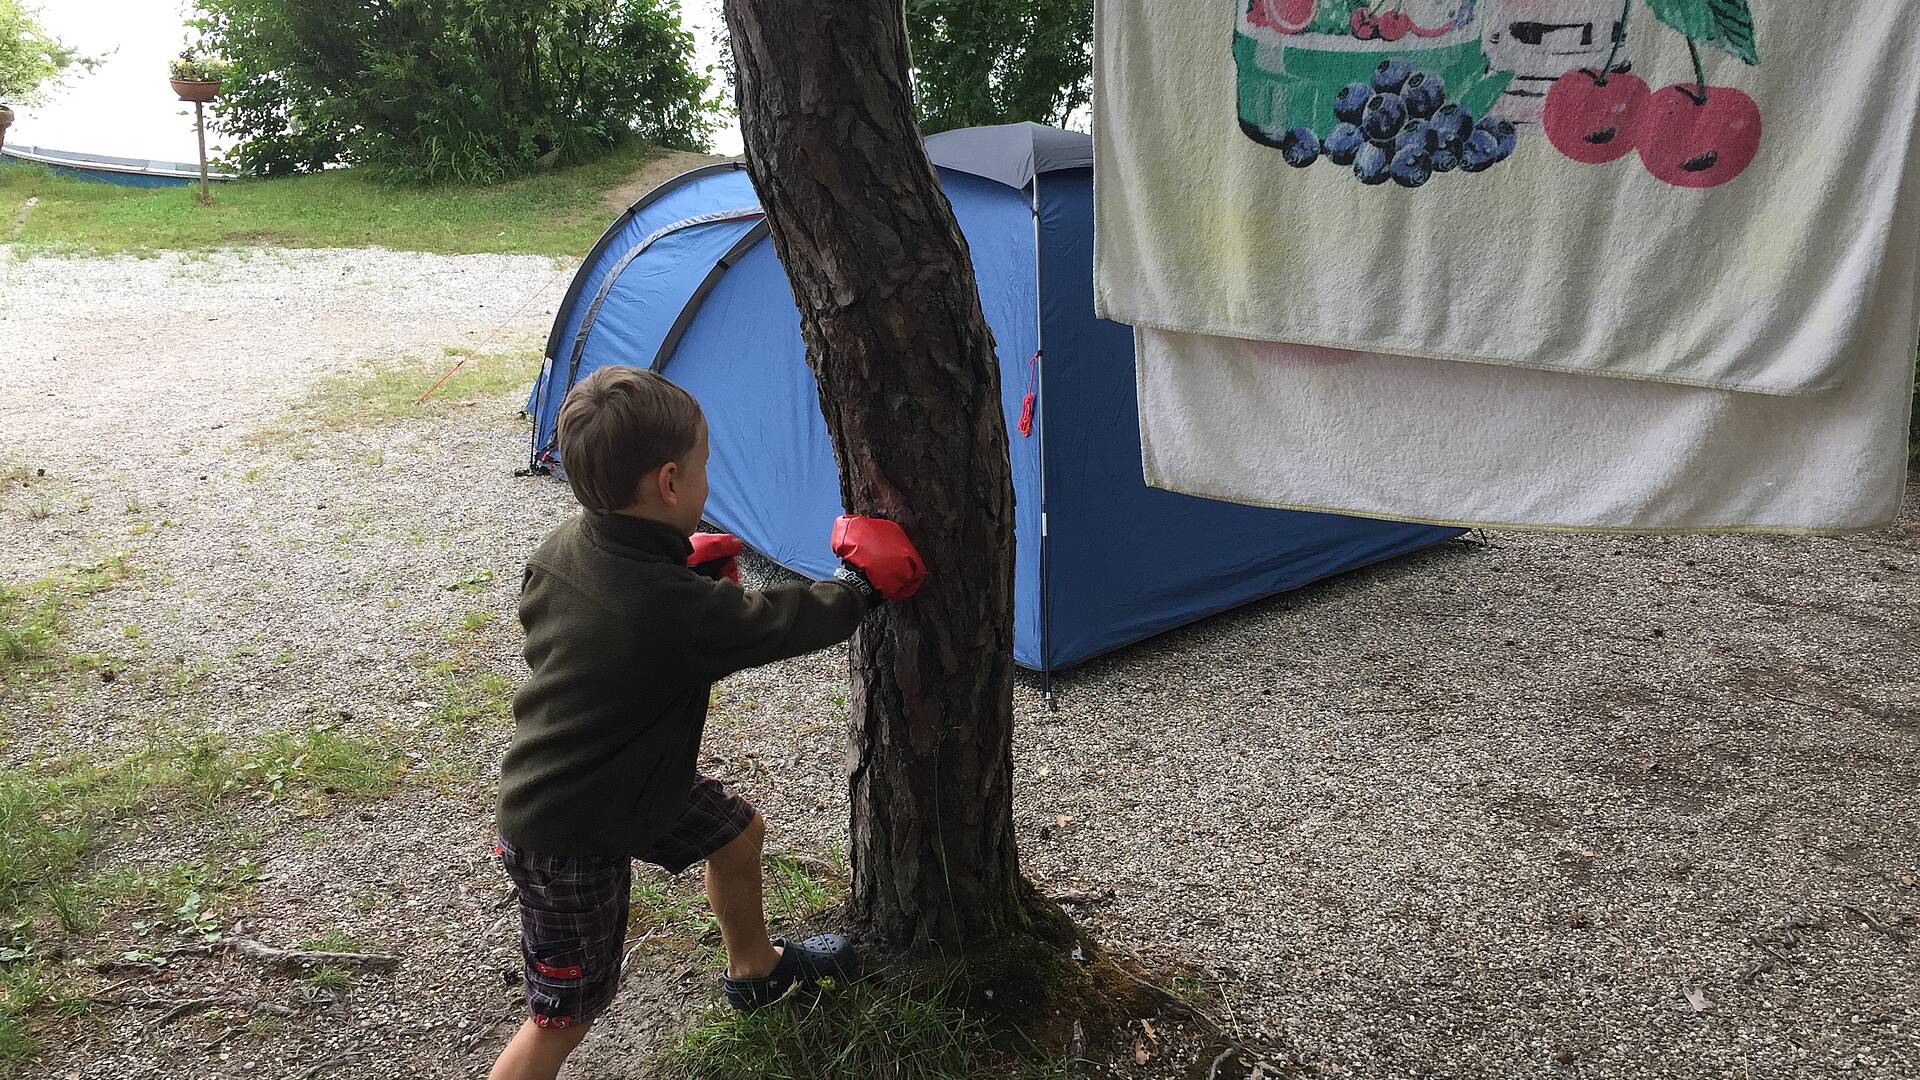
(573,908)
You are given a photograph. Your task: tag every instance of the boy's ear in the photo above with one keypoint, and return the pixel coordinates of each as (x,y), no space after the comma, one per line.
(665,481)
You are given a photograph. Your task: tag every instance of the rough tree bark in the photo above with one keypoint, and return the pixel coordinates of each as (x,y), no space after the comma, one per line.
(910,388)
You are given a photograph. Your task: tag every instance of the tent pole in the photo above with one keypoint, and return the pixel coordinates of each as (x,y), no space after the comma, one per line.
(1039,413)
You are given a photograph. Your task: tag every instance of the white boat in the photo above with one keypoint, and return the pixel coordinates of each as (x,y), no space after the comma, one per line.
(130,172)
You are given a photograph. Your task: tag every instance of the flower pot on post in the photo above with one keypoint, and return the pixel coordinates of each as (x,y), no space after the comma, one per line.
(197,79)
(197,92)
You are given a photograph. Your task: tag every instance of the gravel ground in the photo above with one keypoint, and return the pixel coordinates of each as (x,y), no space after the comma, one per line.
(1583,807)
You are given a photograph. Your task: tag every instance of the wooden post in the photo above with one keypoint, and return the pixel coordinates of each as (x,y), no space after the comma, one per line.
(200,129)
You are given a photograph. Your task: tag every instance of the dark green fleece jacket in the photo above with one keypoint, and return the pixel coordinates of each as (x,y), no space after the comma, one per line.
(624,643)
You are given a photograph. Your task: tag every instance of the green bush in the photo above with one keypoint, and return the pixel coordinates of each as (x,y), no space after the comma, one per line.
(471,91)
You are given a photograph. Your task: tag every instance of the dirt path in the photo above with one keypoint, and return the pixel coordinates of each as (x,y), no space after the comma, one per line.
(669,164)
(1584,807)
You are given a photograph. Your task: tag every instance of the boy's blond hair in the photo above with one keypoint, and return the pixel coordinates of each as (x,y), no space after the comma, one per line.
(617,427)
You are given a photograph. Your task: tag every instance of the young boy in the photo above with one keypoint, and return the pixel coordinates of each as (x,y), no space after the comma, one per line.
(630,619)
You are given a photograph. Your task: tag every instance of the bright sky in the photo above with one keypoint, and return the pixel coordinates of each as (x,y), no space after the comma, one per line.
(125,108)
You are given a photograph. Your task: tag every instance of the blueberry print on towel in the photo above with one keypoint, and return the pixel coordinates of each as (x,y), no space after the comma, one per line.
(1403,91)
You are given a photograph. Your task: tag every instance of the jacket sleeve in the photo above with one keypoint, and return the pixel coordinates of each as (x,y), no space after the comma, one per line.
(730,629)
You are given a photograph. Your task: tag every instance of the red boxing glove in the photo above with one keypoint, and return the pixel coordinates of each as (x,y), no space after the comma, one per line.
(716,555)
(881,552)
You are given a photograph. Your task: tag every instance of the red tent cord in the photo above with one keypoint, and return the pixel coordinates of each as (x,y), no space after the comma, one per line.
(492,334)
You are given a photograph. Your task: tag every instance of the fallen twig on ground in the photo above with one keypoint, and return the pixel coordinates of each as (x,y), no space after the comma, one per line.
(1180,1005)
(639,941)
(1775,961)
(1815,706)
(1897,936)
(1174,1001)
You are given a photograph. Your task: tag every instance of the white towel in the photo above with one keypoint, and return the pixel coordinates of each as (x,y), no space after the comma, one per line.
(1479,445)
(1761,282)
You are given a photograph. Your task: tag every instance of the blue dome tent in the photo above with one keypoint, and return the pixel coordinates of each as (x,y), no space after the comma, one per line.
(686,282)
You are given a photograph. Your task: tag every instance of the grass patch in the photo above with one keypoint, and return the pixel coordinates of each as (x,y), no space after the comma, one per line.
(475,579)
(669,912)
(483,700)
(474,707)
(793,893)
(175,900)
(330,977)
(316,760)
(919,1029)
(380,392)
(23,988)
(54,816)
(263,1026)
(553,213)
(51,818)
(335,941)
(33,615)
(383,392)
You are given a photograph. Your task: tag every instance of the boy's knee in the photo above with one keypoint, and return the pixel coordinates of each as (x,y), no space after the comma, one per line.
(751,838)
(746,846)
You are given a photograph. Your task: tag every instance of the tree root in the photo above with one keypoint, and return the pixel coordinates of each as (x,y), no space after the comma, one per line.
(296,958)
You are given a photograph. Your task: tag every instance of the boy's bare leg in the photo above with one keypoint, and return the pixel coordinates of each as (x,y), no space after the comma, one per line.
(733,891)
(536,1053)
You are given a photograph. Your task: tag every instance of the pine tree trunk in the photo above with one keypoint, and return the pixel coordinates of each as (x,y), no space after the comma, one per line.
(911,392)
